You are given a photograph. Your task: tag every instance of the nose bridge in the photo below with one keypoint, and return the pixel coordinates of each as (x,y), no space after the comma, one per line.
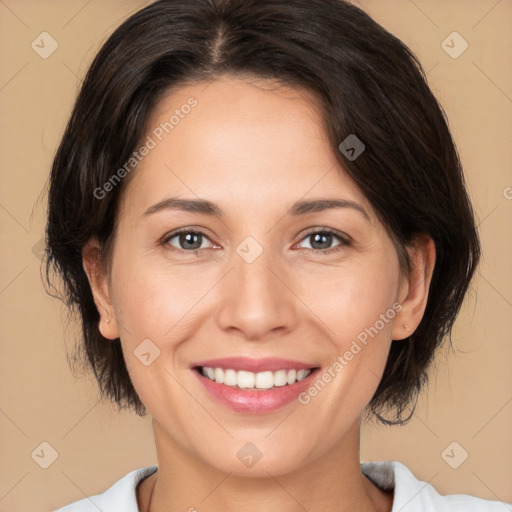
(253,266)
(255,300)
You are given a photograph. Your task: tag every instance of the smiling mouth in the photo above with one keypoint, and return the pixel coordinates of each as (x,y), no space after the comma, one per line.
(254,381)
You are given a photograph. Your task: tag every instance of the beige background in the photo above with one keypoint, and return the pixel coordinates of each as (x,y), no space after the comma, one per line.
(470,397)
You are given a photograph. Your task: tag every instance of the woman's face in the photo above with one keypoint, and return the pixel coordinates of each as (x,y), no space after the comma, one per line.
(254,283)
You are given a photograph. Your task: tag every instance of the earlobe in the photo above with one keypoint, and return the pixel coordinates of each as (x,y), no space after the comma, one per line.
(415,287)
(96,275)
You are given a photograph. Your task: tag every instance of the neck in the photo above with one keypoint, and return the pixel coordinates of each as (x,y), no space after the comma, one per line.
(332,482)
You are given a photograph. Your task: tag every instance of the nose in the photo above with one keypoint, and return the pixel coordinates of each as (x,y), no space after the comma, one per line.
(256,299)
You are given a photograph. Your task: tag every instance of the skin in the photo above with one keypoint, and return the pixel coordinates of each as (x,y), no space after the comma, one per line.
(253,148)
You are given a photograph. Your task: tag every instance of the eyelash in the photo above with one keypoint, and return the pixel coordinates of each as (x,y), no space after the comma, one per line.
(345,240)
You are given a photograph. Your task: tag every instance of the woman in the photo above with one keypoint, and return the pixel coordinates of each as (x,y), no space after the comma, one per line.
(259,212)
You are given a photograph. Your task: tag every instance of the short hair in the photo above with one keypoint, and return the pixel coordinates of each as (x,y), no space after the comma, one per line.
(367,82)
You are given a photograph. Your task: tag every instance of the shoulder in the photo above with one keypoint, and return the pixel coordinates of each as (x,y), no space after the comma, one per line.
(120,497)
(413,495)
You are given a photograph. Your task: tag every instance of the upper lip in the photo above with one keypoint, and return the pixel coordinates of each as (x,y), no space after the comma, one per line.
(271,364)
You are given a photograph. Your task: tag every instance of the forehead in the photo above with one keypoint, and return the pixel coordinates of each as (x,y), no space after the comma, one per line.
(250,141)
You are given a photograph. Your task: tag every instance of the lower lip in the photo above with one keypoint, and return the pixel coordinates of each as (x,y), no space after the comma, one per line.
(255,402)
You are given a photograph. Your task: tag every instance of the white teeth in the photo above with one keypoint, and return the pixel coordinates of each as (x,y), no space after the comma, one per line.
(264,380)
(243,379)
(250,380)
(230,378)
(301,374)
(280,378)
(219,375)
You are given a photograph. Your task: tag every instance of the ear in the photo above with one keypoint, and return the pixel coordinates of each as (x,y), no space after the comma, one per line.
(98,281)
(413,292)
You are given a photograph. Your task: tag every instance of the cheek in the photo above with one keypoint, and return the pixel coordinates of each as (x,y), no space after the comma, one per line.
(357,308)
(359,329)
(151,309)
(152,301)
(350,298)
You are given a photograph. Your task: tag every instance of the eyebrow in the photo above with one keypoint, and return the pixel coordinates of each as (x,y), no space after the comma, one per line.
(300,207)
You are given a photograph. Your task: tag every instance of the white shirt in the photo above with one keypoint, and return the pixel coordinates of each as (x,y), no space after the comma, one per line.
(410,494)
